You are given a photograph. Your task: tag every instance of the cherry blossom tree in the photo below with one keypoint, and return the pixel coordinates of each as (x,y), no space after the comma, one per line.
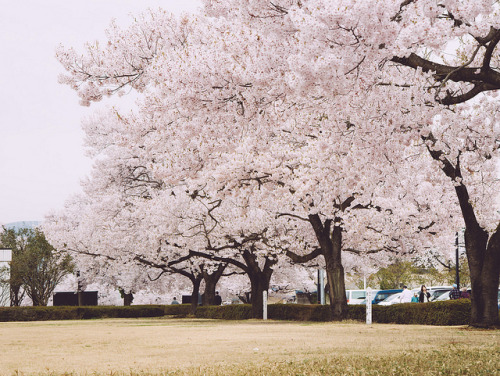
(452,46)
(272,92)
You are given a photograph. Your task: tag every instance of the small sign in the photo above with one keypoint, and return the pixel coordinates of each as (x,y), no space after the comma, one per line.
(368,306)
(264,304)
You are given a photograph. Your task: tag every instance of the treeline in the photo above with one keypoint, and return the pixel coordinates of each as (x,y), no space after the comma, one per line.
(36,267)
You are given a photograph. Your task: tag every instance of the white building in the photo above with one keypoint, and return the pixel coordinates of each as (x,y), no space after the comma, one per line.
(5,259)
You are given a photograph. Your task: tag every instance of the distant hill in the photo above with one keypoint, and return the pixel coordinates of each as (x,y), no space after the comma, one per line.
(22,224)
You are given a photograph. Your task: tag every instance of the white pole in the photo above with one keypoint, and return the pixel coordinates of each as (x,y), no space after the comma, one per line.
(322,286)
(264,304)
(368,306)
(364,282)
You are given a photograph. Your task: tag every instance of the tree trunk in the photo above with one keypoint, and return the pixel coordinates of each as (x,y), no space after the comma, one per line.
(331,248)
(196,293)
(484,265)
(259,283)
(36,301)
(16,296)
(127,299)
(483,254)
(211,281)
(259,280)
(335,276)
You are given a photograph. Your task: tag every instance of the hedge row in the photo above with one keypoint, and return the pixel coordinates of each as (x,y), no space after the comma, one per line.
(87,312)
(452,312)
(438,313)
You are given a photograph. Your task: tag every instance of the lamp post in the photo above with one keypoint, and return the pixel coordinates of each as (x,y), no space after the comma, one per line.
(79,289)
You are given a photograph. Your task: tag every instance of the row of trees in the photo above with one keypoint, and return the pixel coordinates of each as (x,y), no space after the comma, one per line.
(36,267)
(270,133)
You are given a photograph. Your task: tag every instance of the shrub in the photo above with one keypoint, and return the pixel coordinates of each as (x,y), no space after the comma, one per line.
(299,312)
(178,310)
(228,312)
(452,312)
(76,313)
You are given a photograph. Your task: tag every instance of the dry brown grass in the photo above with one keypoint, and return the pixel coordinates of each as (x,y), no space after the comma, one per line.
(143,346)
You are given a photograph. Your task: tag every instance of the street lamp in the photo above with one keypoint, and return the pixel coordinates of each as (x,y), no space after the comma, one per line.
(457,267)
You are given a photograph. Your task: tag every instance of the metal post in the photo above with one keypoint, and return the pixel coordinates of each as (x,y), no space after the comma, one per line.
(368,306)
(79,292)
(457,267)
(264,304)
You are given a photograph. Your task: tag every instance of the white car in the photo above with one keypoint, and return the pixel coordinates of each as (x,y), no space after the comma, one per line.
(355,296)
(393,299)
(437,291)
(442,297)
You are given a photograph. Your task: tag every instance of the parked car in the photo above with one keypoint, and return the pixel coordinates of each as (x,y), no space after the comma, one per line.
(355,296)
(380,295)
(445,295)
(437,291)
(394,298)
(442,297)
(391,299)
(384,294)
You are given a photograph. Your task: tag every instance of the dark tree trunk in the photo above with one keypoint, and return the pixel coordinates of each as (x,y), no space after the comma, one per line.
(16,296)
(36,301)
(211,281)
(259,283)
(484,265)
(331,247)
(483,251)
(335,276)
(196,280)
(127,299)
(259,280)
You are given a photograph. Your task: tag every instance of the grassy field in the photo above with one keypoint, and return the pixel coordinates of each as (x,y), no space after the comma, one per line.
(209,347)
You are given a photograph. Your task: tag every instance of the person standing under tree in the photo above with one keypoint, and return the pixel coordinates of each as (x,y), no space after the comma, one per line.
(405,295)
(414,299)
(218,299)
(455,293)
(424,295)
(464,294)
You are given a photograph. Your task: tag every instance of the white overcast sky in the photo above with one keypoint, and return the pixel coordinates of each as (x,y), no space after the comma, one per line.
(41,154)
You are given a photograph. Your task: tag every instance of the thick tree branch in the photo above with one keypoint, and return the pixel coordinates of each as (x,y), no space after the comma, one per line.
(455,174)
(482,78)
(298,259)
(227,260)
